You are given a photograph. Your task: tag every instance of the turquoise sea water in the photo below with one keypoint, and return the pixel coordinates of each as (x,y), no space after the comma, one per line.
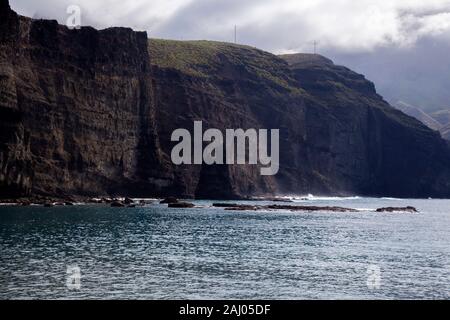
(155,252)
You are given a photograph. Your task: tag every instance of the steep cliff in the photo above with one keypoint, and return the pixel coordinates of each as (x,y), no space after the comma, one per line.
(229,86)
(76,111)
(338,136)
(89,112)
(378,149)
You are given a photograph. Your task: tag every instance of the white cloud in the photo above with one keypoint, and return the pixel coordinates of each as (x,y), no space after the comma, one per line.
(275,25)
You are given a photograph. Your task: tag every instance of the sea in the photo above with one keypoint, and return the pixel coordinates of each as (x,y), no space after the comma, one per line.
(155,252)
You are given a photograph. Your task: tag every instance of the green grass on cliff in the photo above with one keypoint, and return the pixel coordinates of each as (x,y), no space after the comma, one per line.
(219,59)
(186,56)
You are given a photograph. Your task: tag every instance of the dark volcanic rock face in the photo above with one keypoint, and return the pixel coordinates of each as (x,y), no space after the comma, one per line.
(89,112)
(337,135)
(76,109)
(377,149)
(226,87)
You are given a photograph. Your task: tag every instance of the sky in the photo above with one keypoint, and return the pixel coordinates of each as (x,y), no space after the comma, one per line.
(381,39)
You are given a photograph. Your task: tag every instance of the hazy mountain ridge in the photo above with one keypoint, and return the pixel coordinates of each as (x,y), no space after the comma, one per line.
(438,120)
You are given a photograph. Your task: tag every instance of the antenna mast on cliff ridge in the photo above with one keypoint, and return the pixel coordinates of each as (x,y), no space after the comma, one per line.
(315,43)
(235,34)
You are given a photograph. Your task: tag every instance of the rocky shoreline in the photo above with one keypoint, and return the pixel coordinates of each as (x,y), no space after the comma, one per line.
(173,202)
(294,208)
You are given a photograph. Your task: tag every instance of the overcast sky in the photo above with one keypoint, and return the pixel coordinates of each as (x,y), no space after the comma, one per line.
(349,31)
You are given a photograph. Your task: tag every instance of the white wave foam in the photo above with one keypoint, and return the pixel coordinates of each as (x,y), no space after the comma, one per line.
(311,197)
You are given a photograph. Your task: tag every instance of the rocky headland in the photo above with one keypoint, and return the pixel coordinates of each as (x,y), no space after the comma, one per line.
(89,113)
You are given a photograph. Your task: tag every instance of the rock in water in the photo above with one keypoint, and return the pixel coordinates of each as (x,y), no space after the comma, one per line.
(117,204)
(181,205)
(244,207)
(311,208)
(226,205)
(398,209)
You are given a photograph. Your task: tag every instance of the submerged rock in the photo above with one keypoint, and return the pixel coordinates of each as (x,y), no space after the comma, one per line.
(117,204)
(245,207)
(181,205)
(311,208)
(398,209)
(226,205)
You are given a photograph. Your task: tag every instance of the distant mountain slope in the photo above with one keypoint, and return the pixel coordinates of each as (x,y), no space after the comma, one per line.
(442,116)
(438,121)
(419,114)
(445,132)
